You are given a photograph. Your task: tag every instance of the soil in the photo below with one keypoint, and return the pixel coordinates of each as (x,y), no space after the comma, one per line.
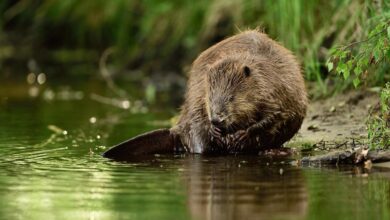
(336,121)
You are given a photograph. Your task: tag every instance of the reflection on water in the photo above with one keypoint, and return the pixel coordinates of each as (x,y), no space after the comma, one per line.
(51,168)
(244,188)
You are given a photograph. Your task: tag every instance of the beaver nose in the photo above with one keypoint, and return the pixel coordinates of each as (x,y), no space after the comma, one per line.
(217,121)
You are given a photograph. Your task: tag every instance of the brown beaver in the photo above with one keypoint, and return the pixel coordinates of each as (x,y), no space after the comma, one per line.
(244,94)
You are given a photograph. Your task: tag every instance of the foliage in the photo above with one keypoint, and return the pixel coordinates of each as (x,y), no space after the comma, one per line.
(356,60)
(160,34)
(379,124)
(367,60)
(166,35)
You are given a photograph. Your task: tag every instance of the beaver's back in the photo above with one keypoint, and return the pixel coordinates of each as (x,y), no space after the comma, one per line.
(248,43)
(253,46)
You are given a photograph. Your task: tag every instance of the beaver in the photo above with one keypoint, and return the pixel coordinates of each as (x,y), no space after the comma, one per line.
(244,94)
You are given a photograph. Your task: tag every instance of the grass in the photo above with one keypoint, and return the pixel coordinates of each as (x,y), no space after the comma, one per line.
(378,124)
(166,35)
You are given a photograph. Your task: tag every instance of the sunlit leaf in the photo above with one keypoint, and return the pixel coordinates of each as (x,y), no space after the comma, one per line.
(357,70)
(346,74)
(341,68)
(377,55)
(356,82)
(330,66)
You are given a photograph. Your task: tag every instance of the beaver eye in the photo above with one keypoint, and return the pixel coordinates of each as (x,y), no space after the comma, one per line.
(247,71)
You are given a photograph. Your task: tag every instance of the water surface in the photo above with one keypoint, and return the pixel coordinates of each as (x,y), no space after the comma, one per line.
(51,168)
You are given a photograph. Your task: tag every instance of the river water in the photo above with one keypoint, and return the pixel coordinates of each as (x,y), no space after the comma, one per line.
(52,134)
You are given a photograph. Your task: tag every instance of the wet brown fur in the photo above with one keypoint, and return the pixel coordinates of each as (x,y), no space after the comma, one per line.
(266,108)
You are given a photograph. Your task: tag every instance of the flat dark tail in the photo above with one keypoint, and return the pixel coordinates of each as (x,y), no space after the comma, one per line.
(161,141)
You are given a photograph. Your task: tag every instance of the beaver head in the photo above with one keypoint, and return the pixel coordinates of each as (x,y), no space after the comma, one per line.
(231,95)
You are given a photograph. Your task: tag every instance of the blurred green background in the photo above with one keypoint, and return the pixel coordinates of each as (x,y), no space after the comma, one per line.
(156,37)
(77,77)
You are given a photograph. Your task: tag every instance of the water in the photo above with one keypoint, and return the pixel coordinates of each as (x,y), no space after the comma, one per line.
(51,168)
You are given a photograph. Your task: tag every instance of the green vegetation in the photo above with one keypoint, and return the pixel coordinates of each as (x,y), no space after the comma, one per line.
(378,123)
(158,36)
(368,61)
(355,60)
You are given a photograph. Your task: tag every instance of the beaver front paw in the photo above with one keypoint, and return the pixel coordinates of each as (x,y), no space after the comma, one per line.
(243,138)
(216,136)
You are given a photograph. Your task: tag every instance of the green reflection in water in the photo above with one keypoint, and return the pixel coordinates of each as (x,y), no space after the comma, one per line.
(51,168)
(348,194)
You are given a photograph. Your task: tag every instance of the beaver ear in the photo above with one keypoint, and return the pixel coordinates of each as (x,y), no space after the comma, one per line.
(247,71)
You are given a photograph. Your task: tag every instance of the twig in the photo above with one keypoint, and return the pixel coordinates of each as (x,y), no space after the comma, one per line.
(124,104)
(359,42)
(107,76)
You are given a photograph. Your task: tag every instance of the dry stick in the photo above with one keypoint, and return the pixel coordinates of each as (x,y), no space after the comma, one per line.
(378,156)
(368,39)
(107,76)
(349,156)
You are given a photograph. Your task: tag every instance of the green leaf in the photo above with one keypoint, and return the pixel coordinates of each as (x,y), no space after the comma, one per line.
(377,55)
(332,51)
(349,65)
(364,61)
(356,82)
(341,68)
(343,54)
(346,74)
(358,70)
(330,66)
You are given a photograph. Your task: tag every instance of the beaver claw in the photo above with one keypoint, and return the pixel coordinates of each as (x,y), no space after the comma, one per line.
(242,138)
(215,132)
(216,136)
(236,141)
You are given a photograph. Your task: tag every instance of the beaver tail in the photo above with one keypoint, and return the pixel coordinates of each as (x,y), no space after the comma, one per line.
(161,141)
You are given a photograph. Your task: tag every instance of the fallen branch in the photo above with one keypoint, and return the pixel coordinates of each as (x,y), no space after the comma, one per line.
(107,75)
(350,156)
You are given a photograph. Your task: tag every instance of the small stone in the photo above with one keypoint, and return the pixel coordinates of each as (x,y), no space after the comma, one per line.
(314,117)
(332,109)
(341,104)
(312,127)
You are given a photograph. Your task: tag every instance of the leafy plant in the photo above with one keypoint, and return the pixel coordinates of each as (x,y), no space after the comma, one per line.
(364,60)
(355,60)
(378,124)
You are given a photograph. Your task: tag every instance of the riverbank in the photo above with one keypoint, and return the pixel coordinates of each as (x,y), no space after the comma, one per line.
(337,121)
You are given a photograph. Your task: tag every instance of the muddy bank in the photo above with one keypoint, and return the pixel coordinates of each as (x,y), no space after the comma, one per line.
(334,132)
(336,122)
